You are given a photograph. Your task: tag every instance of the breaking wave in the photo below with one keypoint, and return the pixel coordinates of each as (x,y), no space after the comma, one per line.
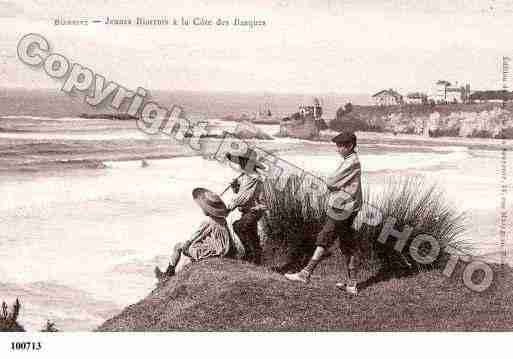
(372,162)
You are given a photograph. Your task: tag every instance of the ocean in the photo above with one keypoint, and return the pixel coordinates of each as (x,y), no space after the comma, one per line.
(83,223)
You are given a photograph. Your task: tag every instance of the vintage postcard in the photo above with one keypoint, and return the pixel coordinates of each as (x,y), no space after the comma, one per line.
(241,166)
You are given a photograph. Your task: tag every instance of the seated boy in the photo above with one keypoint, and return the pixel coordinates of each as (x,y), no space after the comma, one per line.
(212,239)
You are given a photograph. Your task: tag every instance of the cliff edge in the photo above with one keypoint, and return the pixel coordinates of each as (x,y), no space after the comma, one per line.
(223,294)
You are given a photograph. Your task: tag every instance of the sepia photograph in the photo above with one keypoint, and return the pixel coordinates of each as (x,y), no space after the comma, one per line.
(240,166)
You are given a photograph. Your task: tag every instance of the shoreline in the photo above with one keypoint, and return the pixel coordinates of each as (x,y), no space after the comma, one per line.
(82,157)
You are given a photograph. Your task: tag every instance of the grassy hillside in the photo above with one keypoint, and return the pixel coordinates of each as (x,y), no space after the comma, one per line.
(222,294)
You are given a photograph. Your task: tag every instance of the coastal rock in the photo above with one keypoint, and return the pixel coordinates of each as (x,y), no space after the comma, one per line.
(304,128)
(450,120)
(247,130)
(95,164)
(109,116)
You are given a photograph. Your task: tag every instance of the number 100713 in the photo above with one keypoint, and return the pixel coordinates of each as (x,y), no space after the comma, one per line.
(26,346)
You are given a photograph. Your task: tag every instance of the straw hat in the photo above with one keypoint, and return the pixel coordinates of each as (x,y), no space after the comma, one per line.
(251,157)
(210,202)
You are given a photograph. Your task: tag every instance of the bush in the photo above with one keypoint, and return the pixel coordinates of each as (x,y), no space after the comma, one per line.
(295,217)
(376,128)
(348,123)
(49,327)
(481,134)
(8,319)
(342,111)
(446,132)
(322,125)
(506,134)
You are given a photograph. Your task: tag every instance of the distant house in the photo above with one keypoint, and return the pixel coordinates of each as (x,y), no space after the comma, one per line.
(315,111)
(388,97)
(445,92)
(416,98)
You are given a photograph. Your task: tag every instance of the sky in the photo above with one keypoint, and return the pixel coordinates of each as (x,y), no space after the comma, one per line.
(306,46)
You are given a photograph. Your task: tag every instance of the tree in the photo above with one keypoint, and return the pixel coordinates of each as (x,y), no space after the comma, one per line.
(343,111)
(444,83)
(339,114)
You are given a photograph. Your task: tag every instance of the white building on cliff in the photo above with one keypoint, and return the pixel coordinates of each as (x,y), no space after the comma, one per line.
(445,92)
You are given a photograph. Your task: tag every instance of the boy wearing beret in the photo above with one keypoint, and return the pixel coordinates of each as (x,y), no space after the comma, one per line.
(345,202)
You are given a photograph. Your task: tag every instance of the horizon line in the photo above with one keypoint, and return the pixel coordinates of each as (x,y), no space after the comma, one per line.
(253,92)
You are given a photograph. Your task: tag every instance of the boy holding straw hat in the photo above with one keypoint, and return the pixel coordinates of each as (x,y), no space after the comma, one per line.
(211,239)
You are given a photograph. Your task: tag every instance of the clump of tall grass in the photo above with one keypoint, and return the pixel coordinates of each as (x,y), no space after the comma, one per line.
(426,210)
(293,218)
(8,319)
(296,216)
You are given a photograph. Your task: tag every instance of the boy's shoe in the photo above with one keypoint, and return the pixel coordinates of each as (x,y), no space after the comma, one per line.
(159,274)
(348,288)
(301,276)
(162,276)
(170,271)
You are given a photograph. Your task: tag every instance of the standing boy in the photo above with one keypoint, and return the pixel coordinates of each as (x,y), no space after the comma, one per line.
(345,192)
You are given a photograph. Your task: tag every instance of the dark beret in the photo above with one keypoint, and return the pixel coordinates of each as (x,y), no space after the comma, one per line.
(345,137)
